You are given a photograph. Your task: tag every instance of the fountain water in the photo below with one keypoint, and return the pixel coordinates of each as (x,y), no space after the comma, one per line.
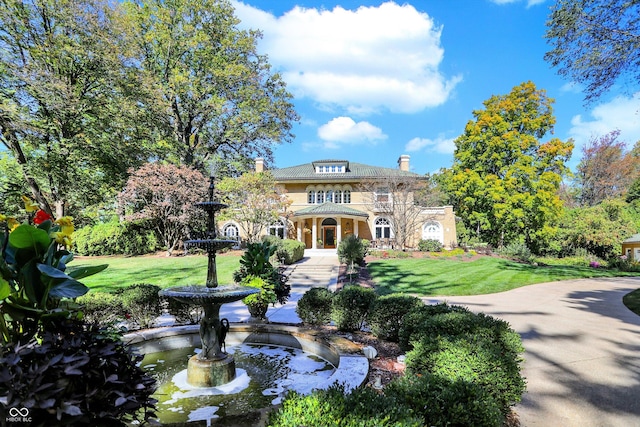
(212,366)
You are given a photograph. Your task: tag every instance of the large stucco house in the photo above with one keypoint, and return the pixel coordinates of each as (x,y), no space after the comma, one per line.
(331,199)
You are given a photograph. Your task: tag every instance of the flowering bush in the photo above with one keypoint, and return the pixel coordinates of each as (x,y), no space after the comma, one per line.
(33,271)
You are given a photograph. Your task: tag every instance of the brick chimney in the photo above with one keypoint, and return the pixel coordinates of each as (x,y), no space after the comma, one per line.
(403,162)
(259,165)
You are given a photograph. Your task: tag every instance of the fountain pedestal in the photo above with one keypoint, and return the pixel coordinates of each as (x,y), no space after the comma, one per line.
(212,366)
(210,372)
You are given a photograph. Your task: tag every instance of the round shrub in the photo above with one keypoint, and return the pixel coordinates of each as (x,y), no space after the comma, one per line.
(476,348)
(115,238)
(101,307)
(141,303)
(444,402)
(73,373)
(351,307)
(314,308)
(387,315)
(416,321)
(430,245)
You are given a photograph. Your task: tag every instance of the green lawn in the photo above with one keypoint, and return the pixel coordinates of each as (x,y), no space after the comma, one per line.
(160,271)
(486,275)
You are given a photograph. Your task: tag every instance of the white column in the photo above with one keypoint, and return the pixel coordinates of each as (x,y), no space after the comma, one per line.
(314,234)
(339,231)
(299,231)
(356,231)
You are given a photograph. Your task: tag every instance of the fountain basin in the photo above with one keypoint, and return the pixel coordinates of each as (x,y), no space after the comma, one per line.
(351,368)
(200,295)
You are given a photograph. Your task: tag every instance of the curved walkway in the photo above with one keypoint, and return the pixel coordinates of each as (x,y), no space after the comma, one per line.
(582,358)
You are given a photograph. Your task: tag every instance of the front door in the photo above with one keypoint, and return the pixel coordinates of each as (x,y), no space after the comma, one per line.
(329,237)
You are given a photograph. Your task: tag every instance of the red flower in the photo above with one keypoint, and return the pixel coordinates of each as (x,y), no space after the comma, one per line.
(41,216)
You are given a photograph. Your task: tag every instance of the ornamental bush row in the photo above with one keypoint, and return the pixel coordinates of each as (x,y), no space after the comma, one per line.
(115,238)
(137,304)
(462,368)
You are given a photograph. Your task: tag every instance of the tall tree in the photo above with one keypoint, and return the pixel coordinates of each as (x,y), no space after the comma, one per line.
(255,202)
(217,95)
(595,43)
(67,112)
(606,169)
(504,179)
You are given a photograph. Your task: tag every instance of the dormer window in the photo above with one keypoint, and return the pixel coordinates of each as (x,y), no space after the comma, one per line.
(331,166)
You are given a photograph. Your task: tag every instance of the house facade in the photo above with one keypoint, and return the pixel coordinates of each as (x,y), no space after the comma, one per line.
(331,199)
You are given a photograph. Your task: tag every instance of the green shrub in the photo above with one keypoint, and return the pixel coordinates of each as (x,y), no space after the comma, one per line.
(332,408)
(387,314)
(352,250)
(141,303)
(290,251)
(314,308)
(418,319)
(256,261)
(430,245)
(101,307)
(185,314)
(460,345)
(518,251)
(115,238)
(73,373)
(444,402)
(351,307)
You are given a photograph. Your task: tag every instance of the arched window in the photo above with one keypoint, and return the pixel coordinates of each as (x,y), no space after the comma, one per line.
(320,197)
(230,231)
(383,228)
(337,196)
(329,196)
(432,230)
(277,229)
(346,198)
(311,197)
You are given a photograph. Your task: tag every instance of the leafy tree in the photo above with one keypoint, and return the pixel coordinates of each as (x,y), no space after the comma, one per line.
(394,198)
(504,179)
(255,202)
(595,42)
(216,94)
(68,99)
(599,229)
(164,195)
(606,170)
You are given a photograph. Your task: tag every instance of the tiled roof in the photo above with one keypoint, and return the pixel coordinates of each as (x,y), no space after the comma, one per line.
(355,171)
(633,239)
(330,208)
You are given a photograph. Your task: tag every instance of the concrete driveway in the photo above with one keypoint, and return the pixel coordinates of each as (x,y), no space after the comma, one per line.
(582,359)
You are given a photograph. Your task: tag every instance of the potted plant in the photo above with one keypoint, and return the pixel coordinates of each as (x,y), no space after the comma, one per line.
(256,262)
(258,304)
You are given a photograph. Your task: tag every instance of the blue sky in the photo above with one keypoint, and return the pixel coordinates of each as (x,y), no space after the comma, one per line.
(373,80)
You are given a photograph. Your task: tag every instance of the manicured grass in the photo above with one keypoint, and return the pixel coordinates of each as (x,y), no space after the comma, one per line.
(157,270)
(632,301)
(486,275)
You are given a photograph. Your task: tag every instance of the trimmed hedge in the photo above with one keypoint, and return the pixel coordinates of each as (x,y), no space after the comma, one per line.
(314,308)
(288,251)
(430,245)
(351,307)
(141,303)
(115,238)
(101,307)
(387,314)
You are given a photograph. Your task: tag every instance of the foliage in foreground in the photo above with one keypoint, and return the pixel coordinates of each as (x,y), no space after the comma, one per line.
(351,307)
(463,369)
(314,308)
(74,373)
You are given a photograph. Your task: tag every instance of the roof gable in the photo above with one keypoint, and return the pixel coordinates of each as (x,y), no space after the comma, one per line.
(354,171)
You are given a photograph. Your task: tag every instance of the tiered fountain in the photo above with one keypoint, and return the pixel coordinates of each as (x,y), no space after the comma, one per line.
(212,366)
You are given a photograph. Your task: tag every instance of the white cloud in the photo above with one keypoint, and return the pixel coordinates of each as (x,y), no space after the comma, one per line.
(346,130)
(572,87)
(440,145)
(363,60)
(621,113)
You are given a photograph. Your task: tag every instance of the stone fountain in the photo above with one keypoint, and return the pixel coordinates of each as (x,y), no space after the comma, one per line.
(212,366)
